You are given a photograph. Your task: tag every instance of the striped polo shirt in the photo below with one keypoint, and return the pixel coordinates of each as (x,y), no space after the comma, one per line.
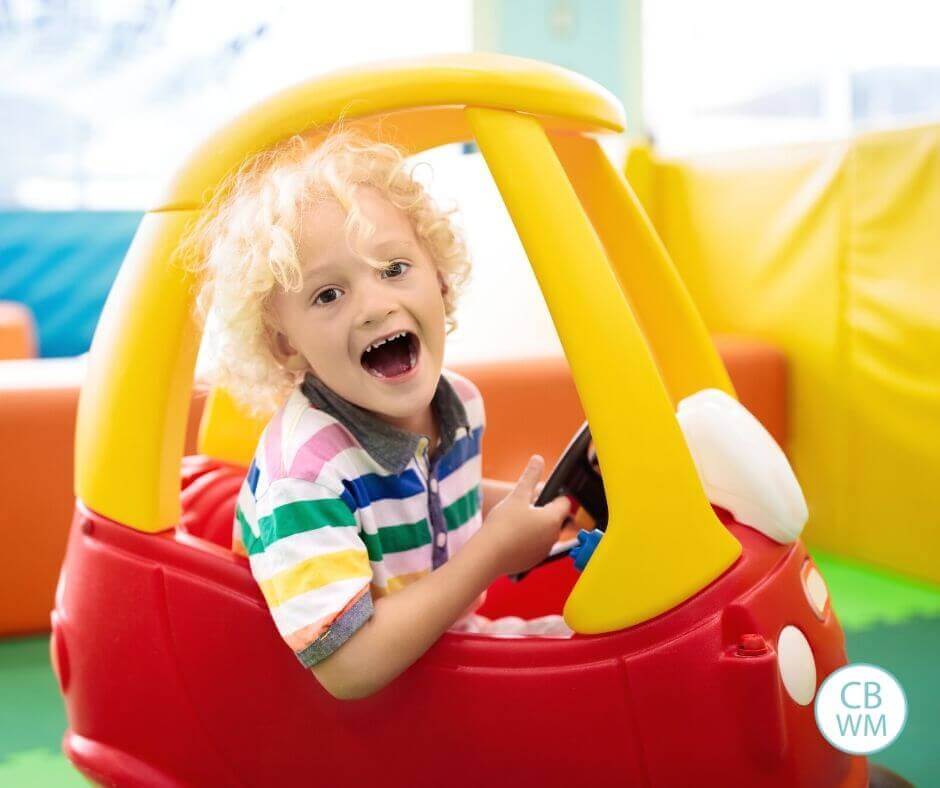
(339,508)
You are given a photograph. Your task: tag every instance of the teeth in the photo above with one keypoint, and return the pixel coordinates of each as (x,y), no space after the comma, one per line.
(380,342)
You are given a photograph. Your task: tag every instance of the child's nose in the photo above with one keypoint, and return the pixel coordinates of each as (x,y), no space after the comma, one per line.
(376,305)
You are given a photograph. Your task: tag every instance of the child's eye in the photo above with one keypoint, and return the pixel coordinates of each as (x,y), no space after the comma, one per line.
(327,295)
(395,269)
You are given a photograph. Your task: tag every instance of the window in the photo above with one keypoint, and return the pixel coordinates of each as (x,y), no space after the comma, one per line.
(732,73)
(102,99)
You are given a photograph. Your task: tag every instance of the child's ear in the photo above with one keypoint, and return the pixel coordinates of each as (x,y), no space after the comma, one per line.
(289,356)
(443,284)
(296,363)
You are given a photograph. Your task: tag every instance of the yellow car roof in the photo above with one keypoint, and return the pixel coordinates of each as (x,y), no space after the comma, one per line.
(420,104)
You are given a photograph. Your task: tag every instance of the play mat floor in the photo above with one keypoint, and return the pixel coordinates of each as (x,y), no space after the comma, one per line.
(889,621)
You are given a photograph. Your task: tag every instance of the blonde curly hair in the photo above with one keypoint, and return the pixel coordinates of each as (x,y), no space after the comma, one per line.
(245,244)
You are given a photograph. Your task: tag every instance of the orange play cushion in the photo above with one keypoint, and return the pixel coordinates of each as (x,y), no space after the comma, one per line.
(17,331)
(531,407)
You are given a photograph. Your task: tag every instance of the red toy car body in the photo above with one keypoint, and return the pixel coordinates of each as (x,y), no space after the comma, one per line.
(173,674)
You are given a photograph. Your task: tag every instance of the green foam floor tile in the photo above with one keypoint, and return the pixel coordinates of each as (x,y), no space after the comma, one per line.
(39,768)
(908,650)
(863,596)
(32,713)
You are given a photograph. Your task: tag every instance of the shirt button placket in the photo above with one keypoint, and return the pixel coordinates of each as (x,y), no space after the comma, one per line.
(438,524)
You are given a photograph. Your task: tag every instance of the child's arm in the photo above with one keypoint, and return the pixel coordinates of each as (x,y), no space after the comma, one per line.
(495,490)
(405,624)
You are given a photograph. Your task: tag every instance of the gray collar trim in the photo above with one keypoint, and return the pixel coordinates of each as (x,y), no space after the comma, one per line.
(391,447)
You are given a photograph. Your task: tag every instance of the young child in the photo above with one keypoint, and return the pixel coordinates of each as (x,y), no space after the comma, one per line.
(332,279)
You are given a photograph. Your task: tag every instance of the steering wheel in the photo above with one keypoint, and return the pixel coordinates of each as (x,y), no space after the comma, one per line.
(576,474)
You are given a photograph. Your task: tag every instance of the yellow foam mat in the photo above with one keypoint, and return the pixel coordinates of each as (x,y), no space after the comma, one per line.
(832,252)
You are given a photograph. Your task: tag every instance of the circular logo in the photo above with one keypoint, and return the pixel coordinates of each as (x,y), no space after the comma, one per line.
(861,709)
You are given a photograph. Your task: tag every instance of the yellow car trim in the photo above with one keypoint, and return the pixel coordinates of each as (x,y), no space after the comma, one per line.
(426,95)
(663,542)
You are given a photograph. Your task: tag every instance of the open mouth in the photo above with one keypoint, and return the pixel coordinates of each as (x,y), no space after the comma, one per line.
(392,357)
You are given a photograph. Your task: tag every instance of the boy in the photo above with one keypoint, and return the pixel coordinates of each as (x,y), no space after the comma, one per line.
(361,511)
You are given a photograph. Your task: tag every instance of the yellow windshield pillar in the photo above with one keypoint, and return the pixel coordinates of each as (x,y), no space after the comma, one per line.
(131,424)
(676,333)
(663,542)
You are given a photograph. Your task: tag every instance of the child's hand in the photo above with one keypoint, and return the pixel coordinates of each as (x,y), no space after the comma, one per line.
(521,534)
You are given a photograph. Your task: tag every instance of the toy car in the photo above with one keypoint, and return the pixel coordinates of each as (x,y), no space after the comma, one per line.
(703,629)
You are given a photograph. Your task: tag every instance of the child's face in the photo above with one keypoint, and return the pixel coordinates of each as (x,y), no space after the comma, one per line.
(346,306)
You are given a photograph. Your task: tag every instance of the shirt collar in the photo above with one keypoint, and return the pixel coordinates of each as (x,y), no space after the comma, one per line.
(390,446)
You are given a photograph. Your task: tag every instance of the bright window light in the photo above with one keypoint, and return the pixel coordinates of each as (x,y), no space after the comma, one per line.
(734,73)
(102,100)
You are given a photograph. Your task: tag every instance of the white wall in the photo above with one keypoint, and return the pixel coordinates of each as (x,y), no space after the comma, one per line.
(502,313)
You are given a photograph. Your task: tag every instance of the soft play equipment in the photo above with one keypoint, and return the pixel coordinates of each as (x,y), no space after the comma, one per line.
(831,252)
(531,407)
(702,635)
(38,402)
(17,331)
(60,265)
